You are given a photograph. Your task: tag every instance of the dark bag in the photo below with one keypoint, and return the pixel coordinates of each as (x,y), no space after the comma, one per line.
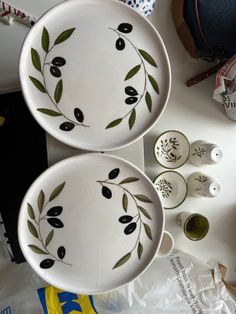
(207,30)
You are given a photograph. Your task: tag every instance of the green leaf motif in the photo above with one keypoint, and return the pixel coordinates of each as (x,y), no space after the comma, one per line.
(132,72)
(49,112)
(144,212)
(123,260)
(125,202)
(129,180)
(35,59)
(36,249)
(45,41)
(58,91)
(148,57)
(30,211)
(154,84)
(140,250)
(132,118)
(114,123)
(148,231)
(40,201)
(64,36)
(143,198)
(37,84)
(57,191)
(49,237)
(148,100)
(32,229)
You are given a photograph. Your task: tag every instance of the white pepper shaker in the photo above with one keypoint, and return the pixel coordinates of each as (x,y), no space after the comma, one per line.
(201,184)
(203,153)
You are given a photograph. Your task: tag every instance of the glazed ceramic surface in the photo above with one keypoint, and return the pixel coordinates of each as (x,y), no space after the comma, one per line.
(90,223)
(203,153)
(203,185)
(96,81)
(172,188)
(194,225)
(171,149)
(12,37)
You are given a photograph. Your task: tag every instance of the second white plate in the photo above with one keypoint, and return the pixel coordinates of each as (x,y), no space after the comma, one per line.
(90,224)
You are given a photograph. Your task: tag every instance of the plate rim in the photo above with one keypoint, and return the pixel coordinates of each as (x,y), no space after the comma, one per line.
(127,142)
(58,165)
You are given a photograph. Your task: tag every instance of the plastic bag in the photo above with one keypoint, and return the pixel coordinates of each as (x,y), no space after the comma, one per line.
(177,284)
(225,87)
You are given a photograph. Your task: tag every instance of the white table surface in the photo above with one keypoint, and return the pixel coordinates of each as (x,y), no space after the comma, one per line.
(192,111)
(57,151)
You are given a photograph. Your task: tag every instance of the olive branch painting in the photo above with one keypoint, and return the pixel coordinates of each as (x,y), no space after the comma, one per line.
(167,149)
(34,224)
(137,223)
(55,65)
(43,63)
(134,98)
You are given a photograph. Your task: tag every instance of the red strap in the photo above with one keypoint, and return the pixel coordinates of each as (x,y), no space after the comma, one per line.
(202,76)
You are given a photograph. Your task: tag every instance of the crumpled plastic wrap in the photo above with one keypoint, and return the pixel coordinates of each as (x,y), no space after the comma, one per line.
(179,283)
(225,87)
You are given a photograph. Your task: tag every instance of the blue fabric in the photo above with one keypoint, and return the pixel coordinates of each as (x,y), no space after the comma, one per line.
(42,298)
(218,22)
(69,305)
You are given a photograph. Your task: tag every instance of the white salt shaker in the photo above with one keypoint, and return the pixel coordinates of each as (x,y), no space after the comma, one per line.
(203,153)
(201,184)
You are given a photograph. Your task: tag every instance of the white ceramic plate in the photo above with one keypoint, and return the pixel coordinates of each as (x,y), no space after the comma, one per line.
(172,188)
(12,37)
(95,74)
(90,223)
(172,149)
